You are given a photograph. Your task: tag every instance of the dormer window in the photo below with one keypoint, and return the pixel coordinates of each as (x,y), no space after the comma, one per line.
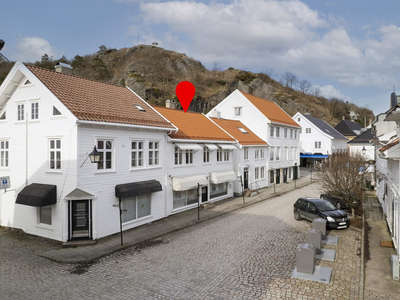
(139,107)
(3,116)
(27,82)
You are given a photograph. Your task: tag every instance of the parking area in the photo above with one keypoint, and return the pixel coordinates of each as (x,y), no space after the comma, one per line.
(245,254)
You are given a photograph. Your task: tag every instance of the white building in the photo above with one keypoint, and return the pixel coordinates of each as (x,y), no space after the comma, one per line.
(318,139)
(49,123)
(273,125)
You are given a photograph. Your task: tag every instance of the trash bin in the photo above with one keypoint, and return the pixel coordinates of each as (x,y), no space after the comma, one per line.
(314,237)
(320,224)
(305,254)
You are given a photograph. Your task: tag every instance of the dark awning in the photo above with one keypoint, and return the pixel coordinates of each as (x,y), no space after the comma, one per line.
(137,188)
(38,195)
(313,156)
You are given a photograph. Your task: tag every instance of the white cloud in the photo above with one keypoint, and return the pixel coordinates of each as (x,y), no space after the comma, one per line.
(284,35)
(328,91)
(31,49)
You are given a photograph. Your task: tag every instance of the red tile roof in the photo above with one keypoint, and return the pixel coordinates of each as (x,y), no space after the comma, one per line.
(390,145)
(271,110)
(90,100)
(232,127)
(193,126)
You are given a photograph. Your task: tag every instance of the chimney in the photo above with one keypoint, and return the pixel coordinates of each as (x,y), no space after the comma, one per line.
(393,100)
(216,114)
(63,68)
(170,104)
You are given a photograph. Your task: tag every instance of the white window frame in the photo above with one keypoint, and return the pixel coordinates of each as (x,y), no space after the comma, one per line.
(219,154)
(34,113)
(256,153)
(20,112)
(154,154)
(272,153)
(178,156)
(262,172)
(257,173)
(262,152)
(277,131)
(55,150)
(104,152)
(135,198)
(272,131)
(4,154)
(295,133)
(189,157)
(40,211)
(291,133)
(285,133)
(277,154)
(135,152)
(238,111)
(308,130)
(246,153)
(206,154)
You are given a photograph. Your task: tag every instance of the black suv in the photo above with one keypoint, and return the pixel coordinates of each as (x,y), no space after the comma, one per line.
(311,208)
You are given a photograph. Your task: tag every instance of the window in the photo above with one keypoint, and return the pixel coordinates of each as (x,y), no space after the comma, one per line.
(219,189)
(56,112)
(262,172)
(246,153)
(55,154)
(35,110)
(136,207)
(139,107)
(271,131)
(271,153)
(21,112)
(3,116)
(262,153)
(238,111)
(285,132)
(317,145)
(290,172)
(226,155)
(256,153)
(206,154)
(291,133)
(278,152)
(277,131)
(105,147)
(4,154)
(308,130)
(295,133)
(189,157)
(219,154)
(154,153)
(45,215)
(257,173)
(290,153)
(136,154)
(178,156)
(184,198)
(298,119)
(243,130)
(284,153)
(271,177)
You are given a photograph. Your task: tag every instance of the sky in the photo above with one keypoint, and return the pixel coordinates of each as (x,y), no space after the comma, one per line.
(349,49)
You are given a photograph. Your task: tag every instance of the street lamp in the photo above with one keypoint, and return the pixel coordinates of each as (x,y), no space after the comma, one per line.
(94,156)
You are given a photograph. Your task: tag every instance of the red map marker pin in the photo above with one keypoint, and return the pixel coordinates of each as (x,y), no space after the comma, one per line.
(185,91)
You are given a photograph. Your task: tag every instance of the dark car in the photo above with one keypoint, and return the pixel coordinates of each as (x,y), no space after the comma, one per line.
(335,201)
(311,208)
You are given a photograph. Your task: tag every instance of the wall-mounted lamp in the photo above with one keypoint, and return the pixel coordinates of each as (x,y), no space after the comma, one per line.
(94,156)
(364,150)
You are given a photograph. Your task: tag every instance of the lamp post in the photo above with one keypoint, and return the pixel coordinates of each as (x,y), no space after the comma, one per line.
(120,219)
(241,182)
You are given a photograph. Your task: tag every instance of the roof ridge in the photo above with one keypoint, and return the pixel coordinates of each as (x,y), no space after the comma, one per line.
(174,109)
(71,75)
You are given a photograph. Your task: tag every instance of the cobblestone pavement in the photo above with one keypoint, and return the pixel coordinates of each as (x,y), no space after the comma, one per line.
(247,254)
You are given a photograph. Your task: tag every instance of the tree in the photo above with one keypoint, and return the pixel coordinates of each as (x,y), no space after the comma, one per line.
(289,79)
(46,62)
(100,67)
(343,175)
(304,86)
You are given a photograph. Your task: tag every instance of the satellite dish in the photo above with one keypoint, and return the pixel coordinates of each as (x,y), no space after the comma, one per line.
(2,42)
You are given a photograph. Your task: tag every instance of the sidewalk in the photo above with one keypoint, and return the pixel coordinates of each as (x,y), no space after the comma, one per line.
(145,233)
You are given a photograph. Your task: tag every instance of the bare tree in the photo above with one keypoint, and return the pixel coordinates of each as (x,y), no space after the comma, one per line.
(271,73)
(344,175)
(289,79)
(305,86)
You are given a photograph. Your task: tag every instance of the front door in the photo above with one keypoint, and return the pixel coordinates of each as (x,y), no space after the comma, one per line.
(204,194)
(278,176)
(295,173)
(246,179)
(80,219)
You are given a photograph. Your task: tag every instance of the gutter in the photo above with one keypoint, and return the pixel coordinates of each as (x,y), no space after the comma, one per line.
(82,122)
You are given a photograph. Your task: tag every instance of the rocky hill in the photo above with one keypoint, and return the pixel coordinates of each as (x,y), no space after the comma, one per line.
(153,73)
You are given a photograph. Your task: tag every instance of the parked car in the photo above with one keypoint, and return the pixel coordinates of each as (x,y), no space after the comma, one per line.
(335,201)
(311,208)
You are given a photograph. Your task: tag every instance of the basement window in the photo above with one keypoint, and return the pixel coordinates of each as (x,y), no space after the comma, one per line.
(139,107)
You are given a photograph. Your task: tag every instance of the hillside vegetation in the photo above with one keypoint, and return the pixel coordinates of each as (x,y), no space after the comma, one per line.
(153,73)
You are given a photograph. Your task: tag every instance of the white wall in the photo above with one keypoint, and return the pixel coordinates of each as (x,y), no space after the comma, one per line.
(29,143)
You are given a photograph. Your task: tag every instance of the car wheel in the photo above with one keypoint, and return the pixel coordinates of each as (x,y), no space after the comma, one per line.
(338,206)
(297,216)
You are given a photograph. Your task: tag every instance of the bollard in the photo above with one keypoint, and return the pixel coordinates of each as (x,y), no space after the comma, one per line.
(314,237)
(320,224)
(305,254)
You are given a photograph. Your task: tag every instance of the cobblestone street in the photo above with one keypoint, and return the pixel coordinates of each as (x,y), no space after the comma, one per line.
(246,254)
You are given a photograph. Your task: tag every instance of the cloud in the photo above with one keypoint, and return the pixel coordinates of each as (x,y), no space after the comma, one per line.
(328,91)
(284,35)
(31,49)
